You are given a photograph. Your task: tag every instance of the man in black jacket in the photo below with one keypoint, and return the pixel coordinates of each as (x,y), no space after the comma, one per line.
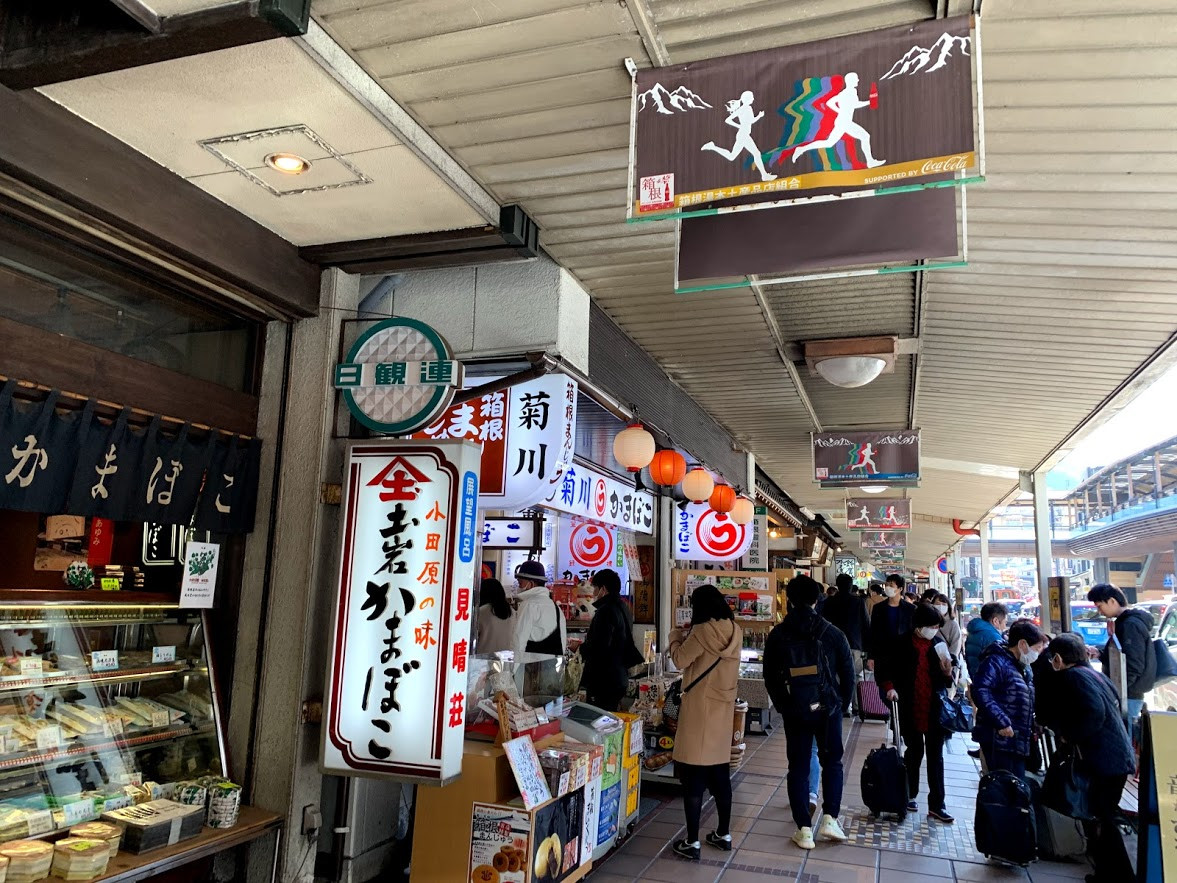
(1133,630)
(846,611)
(809,675)
(608,650)
(890,623)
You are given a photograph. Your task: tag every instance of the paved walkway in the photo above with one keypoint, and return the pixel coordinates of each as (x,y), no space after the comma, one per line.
(918,851)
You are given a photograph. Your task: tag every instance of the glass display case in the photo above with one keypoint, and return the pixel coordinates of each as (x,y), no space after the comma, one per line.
(103,704)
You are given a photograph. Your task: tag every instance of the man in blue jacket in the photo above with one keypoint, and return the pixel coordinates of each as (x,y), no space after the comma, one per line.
(983,631)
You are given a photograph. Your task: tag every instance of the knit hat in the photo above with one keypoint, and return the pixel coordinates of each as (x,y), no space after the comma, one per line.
(532,570)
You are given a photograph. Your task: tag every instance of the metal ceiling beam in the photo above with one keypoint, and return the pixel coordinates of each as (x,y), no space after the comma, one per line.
(644,21)
(779,342)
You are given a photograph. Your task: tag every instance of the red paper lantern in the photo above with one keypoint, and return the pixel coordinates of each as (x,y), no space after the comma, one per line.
(723,498)
(668,467)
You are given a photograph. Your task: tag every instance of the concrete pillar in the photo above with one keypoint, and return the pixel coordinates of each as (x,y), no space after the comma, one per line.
(1042,547)
(665,620)
(1100,572)
(986,582)
(287,593)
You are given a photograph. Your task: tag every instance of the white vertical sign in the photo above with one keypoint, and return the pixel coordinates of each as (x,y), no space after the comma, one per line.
(757,556)
(200,575)
(702,534)
(396,697)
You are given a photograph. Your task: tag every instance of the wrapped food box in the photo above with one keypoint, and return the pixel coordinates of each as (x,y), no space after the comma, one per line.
(156,823)
(75,858)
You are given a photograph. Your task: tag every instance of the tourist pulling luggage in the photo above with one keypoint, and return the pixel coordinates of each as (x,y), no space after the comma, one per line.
(1005,823)
(884,777)
(870,704)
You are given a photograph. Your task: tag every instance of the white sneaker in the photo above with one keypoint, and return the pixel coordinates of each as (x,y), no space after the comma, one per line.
(830,829)
(804,838)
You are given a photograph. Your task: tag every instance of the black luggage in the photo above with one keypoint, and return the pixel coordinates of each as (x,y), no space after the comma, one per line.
(1059,838)
(884,777)
(1005,824)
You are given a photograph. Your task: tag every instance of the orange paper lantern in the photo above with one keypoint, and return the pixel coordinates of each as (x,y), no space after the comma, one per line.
(723,498)
(668,467)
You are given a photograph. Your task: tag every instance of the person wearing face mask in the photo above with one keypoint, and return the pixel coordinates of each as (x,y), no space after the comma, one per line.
(1085,714)
(1003,691)
(890,627)
(608,650)
(539,625)
(950,631)
(922,669)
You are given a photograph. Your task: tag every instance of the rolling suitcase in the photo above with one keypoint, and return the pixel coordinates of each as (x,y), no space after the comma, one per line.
(1059,838)
(884,777)
(1005,824)
(870,704)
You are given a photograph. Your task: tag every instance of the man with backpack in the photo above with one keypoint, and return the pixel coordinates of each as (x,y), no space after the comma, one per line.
(809,674)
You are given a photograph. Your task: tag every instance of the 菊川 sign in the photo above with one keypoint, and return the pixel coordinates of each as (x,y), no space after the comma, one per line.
(864,458)
(396,695)
(590,494)
(860,113)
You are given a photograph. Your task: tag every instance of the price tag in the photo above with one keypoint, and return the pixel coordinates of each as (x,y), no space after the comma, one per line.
(110,584)
(49,737)
(113,803)
(104,660)
(163,654)
(160,719)
(113,727)
(79,811)
(32,666)
(40,822)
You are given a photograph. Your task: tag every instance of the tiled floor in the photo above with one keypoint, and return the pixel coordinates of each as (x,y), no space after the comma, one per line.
(917,851)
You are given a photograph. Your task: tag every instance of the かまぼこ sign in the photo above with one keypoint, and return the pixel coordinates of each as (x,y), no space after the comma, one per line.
(395,703)
(702,534)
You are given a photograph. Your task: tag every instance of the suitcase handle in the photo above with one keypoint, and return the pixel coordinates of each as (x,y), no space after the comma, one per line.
(895,725)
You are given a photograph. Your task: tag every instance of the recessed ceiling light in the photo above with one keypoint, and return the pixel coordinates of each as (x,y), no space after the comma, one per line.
(872,488)
(288,163)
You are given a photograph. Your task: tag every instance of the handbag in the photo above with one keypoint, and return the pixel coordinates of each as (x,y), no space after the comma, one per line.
(956,712)
(1166,665)
(1067,786)
(672,704)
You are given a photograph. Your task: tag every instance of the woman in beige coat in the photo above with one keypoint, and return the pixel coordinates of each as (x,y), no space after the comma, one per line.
(708,652)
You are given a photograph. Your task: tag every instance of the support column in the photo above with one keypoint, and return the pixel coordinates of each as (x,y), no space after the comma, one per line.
(1042,546)
(1100,572)
(986,582)
(665,620)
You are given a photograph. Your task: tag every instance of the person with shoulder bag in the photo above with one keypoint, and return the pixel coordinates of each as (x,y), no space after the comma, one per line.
(922,673)
(608,650)
(1085,715)
(809,675)
(708,653)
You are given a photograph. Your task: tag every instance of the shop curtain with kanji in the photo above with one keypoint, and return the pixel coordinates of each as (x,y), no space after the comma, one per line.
(81,464)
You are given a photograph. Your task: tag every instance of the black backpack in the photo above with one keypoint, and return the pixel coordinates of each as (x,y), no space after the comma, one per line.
(805,673)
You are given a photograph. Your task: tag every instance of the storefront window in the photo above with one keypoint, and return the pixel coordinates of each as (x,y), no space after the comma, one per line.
(89,298)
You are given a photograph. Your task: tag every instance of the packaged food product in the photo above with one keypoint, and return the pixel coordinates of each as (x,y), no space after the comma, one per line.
(76,858)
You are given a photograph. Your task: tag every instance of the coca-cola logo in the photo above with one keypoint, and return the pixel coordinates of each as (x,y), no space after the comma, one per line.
(590,545)
(950,164)
(718,535)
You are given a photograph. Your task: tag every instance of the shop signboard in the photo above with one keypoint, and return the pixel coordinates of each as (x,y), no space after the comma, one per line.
(756,557)
(398,376)
(702,534)
(864,458)
(883,539)
(587,546)
(857,114)
(846,565)
(591,494)
(527,434)
(865,513)
(395,700)
(508,533)
(904,228)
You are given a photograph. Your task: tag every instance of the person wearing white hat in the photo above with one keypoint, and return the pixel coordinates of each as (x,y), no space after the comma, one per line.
(539,624)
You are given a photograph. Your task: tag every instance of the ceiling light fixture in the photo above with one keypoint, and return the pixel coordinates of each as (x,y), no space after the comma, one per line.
(851,362)
(288,163)
(872,488)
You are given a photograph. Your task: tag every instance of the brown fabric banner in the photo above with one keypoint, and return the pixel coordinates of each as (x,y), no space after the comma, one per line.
(899,227)
(874,457)
(881,109)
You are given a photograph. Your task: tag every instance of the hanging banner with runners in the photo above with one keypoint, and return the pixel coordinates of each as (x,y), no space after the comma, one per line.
(882,540)
(875,457)
(848,116)
(891,513)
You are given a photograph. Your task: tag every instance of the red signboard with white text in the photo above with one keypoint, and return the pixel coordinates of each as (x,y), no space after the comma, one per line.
(395,699)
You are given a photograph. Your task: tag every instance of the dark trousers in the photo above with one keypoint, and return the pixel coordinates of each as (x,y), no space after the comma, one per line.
(800,736)
(917,745)
(697,779)
(1105,843)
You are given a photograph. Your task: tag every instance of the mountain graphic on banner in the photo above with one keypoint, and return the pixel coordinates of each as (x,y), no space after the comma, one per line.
(917,59)
(681,98)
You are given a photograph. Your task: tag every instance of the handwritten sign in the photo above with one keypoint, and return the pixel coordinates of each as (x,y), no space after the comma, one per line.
(104,660)
(49,738)
(160,655)
(110,583)
(40,822)
(636,738)
(533,786)
(32,666)
(79,811)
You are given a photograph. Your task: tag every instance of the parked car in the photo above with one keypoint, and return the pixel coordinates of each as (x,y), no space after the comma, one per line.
(1158,609)
(1087,621)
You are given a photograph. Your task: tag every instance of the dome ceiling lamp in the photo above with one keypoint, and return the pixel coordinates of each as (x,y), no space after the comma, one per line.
(852,361)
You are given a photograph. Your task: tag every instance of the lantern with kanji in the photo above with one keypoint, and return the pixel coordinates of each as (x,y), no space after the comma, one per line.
(668,467)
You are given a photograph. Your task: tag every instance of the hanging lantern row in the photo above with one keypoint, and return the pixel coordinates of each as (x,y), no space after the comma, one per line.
(635,449)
